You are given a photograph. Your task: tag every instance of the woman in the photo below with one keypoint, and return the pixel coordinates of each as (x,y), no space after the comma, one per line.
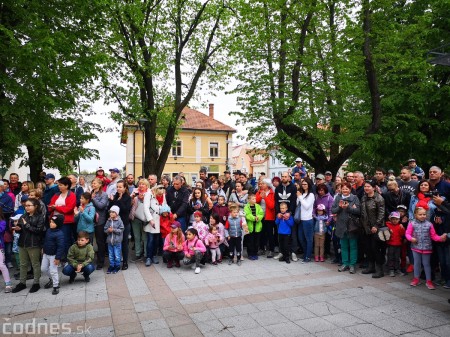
(100,202)
(31,227)
(122,199)
(84,185)
(239,196)
(422,198)
(372,219)
(276,181)
(198,202)
(305,200)
(63,203)
(344,206)
(26,187)
(141,216)
(266,198)
(215,186)
(153,232)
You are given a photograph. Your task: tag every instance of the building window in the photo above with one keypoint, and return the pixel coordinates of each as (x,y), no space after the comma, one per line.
(273,175)
(176,149)
(273,160)
(214,149)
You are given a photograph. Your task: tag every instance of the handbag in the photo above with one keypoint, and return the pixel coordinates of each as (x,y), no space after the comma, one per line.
(384,234)
(353,224)
(297,214)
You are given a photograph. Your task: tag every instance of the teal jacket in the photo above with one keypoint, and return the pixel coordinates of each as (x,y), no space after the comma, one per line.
(85,219)
(254,226)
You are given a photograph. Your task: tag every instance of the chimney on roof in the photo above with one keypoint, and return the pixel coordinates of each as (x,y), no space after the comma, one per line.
(211,110)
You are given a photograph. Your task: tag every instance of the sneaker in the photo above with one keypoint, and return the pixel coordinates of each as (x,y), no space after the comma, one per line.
(219,261)
(55,291)
(294,257)
(18,287)
(72,278)
(110,270)
(270,255)
(230,262)
(35,287)
(116,270)
(251,258)
(430,285)
(415,282)
(352,270)
(177,264)
(279,256)
(322,259)
(8,289)
(343,268)
(214,263)
(169,264)
(316,259)
(155,260)
(148,262)
(306,260)
(446,285)
(48,285)
(197,270)
(410,268)
(87,279)
(392,273)
(256,257)
(239,262)
(124,266)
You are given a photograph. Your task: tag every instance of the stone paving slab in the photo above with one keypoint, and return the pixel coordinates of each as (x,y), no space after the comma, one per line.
(260,298)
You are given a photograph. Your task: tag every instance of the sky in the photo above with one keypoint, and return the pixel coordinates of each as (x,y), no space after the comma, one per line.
(112,153)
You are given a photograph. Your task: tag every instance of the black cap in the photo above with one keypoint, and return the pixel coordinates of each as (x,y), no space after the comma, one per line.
(58,219)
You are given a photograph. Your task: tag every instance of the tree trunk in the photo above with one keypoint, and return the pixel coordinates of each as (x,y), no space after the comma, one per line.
(36,161)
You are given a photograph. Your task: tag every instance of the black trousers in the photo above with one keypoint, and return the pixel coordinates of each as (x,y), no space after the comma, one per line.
(393,254)
(270,231)
(174,256)
(235,243)
(100,238)
(375,249)
(284,240)
(252,243)
(125,241)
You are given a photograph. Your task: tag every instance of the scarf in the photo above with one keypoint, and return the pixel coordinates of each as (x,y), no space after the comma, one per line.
(423,201)
(142,189)
(160,199)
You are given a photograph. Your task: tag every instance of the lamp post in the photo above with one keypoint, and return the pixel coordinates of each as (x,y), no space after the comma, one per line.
(141,122)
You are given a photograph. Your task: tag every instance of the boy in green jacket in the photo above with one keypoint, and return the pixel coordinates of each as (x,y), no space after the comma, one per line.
(254,215)
(80,257)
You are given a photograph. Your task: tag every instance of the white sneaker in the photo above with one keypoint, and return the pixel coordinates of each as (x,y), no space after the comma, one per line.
(197,270)
(294,257)
(279,256)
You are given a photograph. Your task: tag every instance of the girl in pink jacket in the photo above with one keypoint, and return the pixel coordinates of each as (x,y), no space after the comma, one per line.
(194,249)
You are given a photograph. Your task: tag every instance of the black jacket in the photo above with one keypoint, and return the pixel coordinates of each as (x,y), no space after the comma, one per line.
(392,200)
(178,200)
(54,243)
(287,194)
(125,207)
(32,230)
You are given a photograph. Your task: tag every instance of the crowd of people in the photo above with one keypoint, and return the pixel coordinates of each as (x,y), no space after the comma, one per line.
(379,222)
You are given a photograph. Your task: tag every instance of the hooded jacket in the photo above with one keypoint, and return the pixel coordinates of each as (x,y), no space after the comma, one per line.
(116,236)
(54,242)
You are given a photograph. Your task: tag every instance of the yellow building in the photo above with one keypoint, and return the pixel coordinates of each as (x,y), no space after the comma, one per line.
(202,142)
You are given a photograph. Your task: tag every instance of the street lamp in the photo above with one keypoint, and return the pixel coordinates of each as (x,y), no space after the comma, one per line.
(141,122)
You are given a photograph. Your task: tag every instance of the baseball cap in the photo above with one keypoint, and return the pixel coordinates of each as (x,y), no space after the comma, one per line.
(328,173)
(49,176)
(114,170)
(298,159)
(411,160)
(320,176)
(175,224)
(394,215)
(100,169)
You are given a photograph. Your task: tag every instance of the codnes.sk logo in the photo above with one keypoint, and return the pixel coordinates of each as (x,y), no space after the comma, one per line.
(34,328)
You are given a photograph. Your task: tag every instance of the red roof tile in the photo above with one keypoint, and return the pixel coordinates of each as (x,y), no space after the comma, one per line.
(196,120)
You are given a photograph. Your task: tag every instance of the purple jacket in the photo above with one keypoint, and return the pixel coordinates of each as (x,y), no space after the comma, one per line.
(327,201)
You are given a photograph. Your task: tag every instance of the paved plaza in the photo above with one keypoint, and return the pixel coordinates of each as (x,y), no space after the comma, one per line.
(260,298)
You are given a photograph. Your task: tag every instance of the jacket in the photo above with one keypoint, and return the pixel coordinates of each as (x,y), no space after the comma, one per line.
(317,220)
(164,224)
(80,255)
(100,202)
(372,212)
(6,204)
(412,207)
(32,230)
(222,211)
(233,227)
(154,211)
(67,210)
(392,200)
(269,202)
(306,202)
(284,226)
(213,241)
(3,229)
(397,233)
(423,232)
(54,243)
(201,228)
(178,200)
(189,245)
(124,204)
(198,205)
(173,238)
(253,225)
(327,200)
(143,207)
(343,214)
(116,236)
(49,192)
(85,219)
(287,194)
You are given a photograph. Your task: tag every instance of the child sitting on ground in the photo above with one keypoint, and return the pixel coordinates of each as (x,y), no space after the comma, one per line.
(173,245)
(200,226)
(320,229)
(79,258)
(114,229)
(193,249)
(53,251)
(213,240)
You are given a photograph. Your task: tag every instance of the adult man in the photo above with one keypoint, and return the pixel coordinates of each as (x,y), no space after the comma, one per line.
(130,183)
(228,187)
(204,177)
(297,178)
(153,180)
(359,184)
(437,182)
(177,197)
(51,188)
(394,197)
(412,165)
(246,185)
(15,185)
(405,182)
(299,168)
(380,179)
(111,188)
(329,182)
(75,188)
(350,177)
(320,179)
(287,192)
(6,202)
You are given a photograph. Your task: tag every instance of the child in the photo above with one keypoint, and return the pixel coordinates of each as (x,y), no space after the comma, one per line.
(214,221)
(284,232)
(406,245)
(221,209)
(3,267)
(420,232)
(79,258)
(53,251)
(320,228)
(173,245)
(200,226)
(254,215)
(114,230)
(233,233)
(165,221)
(214,197)
(213,240)
(394,245)
(193,249)
(85,216)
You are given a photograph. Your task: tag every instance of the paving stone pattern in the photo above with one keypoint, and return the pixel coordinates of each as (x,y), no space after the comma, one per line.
(260,298)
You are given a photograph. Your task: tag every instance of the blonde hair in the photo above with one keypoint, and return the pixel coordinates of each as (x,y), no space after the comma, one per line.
(392,183)
(145,182)
(37,193)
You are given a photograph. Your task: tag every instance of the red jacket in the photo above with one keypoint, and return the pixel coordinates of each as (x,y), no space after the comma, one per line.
(397,234)
(67,209)
(270,204)
(164,224)
(105,181)
(222,211)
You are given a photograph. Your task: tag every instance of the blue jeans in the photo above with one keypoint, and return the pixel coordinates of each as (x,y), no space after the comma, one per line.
(114,254)
(87,270)
(306,236)
(152,242)
(182,221)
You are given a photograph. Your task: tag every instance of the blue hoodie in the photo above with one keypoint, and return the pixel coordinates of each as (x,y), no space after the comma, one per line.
(85,219)
(284,226)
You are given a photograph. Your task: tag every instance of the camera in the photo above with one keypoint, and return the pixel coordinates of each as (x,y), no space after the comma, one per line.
(432,194)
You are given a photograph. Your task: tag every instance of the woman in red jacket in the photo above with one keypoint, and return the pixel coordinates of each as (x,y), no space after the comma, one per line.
(64,203)
(266,198)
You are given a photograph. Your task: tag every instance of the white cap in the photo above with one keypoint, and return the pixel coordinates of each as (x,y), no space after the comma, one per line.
(298,159)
